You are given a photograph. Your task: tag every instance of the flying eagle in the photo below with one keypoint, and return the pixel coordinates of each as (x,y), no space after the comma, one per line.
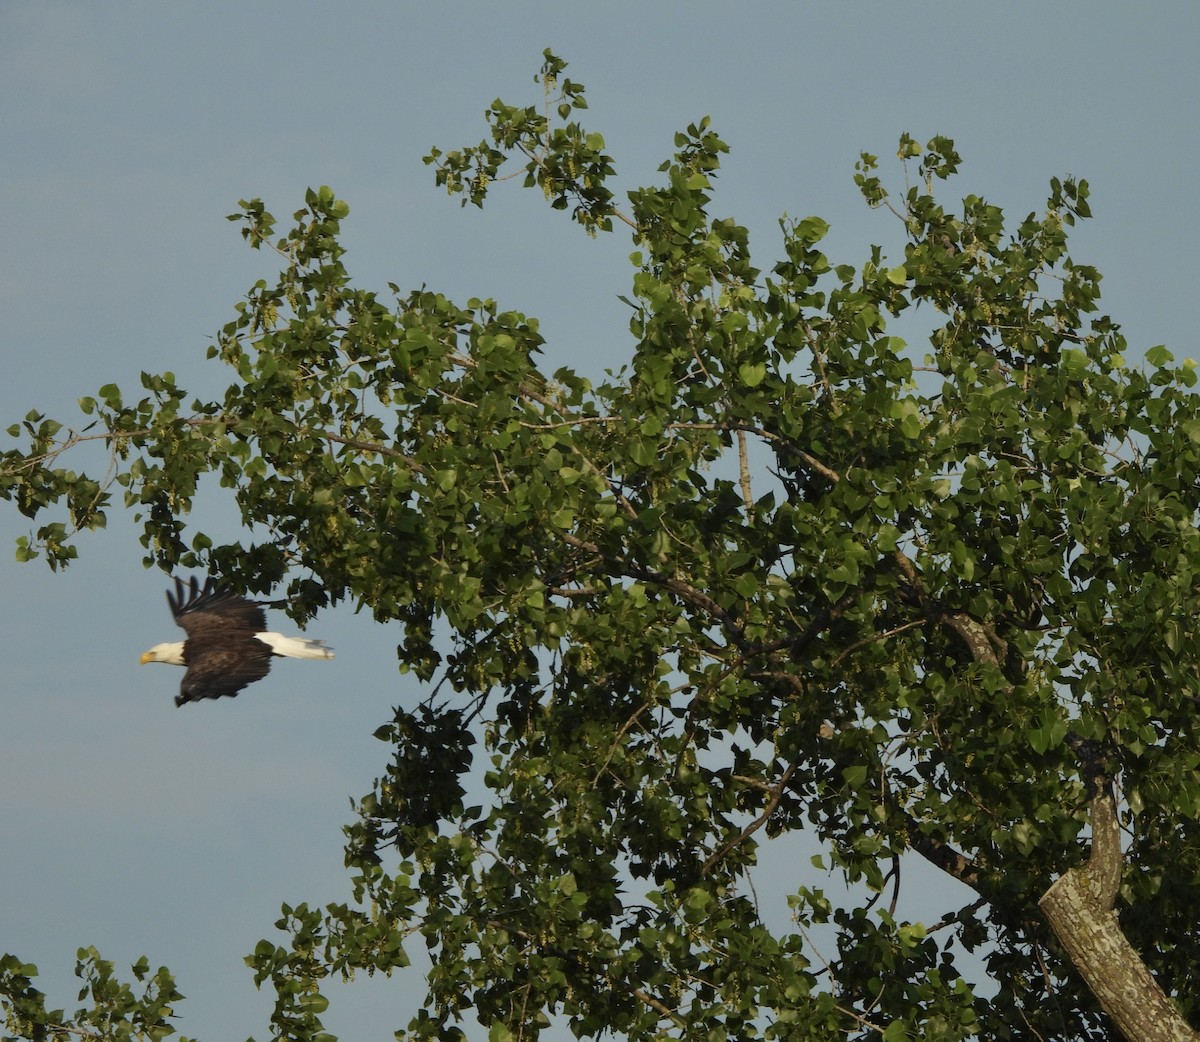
(227,645)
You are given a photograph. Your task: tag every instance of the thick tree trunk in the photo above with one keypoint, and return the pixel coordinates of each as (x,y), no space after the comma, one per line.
(1079,908)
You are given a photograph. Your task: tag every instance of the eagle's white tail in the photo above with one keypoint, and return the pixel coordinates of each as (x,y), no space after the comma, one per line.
(295,647)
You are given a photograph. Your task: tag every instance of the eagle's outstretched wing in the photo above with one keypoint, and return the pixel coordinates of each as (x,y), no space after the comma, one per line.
(211,610)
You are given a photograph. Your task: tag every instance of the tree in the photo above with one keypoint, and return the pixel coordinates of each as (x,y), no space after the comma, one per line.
(785,578)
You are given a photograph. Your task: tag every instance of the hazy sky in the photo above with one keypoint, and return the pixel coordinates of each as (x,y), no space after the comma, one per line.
(129,130)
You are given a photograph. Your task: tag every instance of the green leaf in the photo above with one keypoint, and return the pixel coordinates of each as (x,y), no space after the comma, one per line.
(752,374)
(314,1002)
(855,775)
(1159,356)
(812,230)
(111,396)
(1048,735)
(1074,363)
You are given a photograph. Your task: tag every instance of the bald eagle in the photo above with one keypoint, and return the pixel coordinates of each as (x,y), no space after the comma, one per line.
(227,645)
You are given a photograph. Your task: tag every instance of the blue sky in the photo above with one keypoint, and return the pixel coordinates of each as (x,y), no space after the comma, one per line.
(128,130)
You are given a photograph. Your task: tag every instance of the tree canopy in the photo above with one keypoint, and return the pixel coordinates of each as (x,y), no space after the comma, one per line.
(901,608)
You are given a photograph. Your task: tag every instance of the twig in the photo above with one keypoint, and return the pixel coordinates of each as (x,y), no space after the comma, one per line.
(744,472)
(659,1007)
(756,824)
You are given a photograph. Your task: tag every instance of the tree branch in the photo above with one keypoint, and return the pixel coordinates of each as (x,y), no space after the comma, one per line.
(744,472)
(1079,909)
(659,1007)
(684,590)
(755,825)
(941,855)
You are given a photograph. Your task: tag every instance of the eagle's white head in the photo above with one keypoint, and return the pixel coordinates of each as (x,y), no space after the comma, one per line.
(171,653)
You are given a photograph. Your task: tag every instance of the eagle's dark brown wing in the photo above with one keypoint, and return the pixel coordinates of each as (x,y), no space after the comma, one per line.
(221,652)
(210,610)
(220,672)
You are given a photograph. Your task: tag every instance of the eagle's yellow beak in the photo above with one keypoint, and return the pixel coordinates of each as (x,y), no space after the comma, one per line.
(147,656)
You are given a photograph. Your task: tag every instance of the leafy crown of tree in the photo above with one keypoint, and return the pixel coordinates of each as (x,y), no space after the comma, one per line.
(783,579)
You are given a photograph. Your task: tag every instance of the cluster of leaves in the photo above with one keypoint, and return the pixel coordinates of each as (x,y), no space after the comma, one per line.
(114,1012)
(784,575)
